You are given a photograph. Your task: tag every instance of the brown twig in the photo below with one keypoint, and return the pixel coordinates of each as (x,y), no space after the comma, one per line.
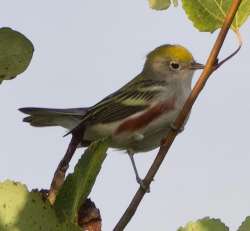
(167,142)
(59,174)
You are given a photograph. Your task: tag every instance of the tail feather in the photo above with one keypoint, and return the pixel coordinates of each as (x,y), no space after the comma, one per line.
(44,117)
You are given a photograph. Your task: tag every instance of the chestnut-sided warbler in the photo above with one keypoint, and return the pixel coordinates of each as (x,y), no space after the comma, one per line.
(139,114)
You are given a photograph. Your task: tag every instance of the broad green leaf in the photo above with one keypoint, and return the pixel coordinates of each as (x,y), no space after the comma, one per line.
(245,226)
(205,224)
(159,4)
(21,210)
(78,185)
(15,53)
(209,15)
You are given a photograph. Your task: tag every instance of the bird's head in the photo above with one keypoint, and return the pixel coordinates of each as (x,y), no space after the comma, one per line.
(171,62)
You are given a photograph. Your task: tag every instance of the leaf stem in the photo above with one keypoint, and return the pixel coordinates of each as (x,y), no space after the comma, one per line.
(240,41)
(167,142)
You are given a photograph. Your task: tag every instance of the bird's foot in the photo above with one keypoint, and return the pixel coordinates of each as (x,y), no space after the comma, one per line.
(142,185)
(175,129)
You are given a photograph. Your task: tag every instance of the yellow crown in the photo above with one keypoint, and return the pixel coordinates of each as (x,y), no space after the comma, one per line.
(170,52)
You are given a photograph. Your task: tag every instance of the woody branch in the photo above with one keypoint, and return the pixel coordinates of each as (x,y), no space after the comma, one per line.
(167,142)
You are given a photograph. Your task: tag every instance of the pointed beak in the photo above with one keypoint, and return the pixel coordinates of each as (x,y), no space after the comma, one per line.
(196,66)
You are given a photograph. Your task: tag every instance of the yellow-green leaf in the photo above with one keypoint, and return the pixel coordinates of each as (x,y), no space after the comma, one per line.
(205,224)
(209,15)
(15,53)
(245,226)
(21,210)
(159,4)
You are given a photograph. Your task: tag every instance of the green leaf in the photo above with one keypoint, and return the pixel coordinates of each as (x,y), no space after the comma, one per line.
(78,185)
(15,53)
(205,224)
(209,15)
(21,210)
(245,226)
(159,4)
(242,14)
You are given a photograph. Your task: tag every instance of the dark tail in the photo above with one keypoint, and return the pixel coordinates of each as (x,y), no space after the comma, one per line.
(44,117)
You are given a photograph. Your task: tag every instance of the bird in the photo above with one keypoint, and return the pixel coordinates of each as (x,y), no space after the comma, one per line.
(139,114)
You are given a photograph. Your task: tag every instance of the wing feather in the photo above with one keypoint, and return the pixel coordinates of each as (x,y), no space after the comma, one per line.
(121,106)
(134,97)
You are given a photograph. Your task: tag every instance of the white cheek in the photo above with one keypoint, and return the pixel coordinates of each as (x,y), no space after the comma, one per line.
(183,75)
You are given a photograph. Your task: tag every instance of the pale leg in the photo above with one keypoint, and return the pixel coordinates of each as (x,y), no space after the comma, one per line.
(138,179)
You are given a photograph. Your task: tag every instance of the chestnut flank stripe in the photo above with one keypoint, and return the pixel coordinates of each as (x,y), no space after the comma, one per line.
(144,119)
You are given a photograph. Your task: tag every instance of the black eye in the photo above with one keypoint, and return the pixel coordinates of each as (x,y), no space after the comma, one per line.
(175,65)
